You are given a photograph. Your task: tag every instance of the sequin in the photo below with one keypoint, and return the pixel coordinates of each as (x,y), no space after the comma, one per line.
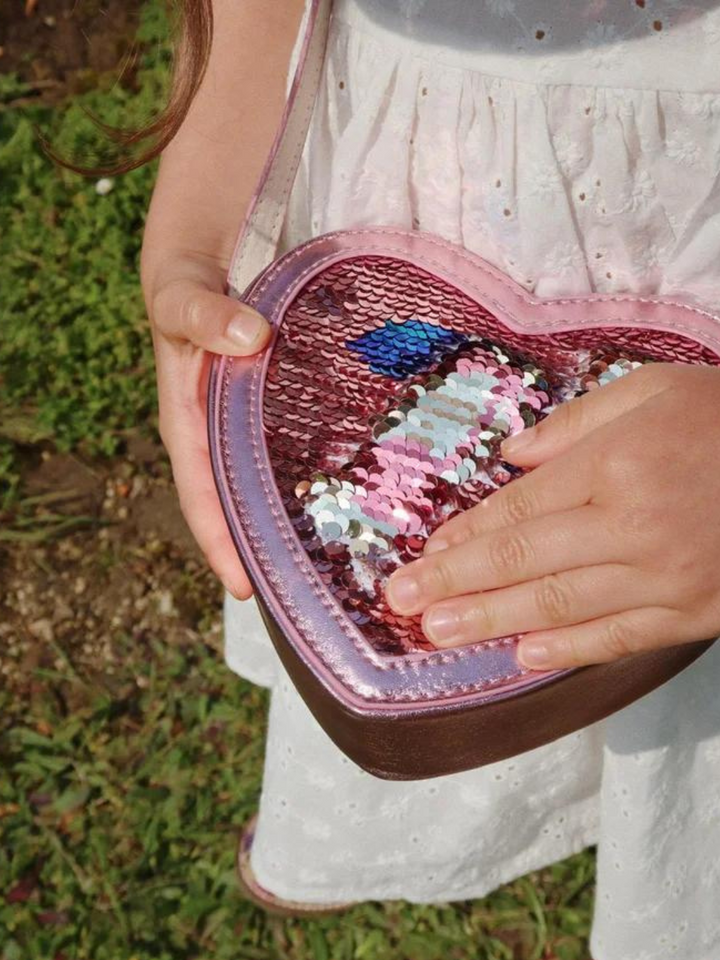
(387,396)
(399,349)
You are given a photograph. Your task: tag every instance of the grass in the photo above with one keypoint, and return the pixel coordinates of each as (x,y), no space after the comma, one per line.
(121,794)
(75,358)
(118,820)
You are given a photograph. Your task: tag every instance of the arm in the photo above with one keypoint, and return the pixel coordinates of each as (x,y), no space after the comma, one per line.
(207,178)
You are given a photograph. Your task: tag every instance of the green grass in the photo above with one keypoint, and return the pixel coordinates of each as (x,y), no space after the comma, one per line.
(75,353)
(120,798)
(118,821)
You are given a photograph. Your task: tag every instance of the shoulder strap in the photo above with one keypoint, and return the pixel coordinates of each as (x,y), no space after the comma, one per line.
(258,240)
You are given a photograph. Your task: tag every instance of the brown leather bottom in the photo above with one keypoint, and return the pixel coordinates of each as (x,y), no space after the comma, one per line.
(444,738)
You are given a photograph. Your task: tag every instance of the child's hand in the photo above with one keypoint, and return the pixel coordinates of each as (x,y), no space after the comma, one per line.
(190,317)
(208,176)
(610,547)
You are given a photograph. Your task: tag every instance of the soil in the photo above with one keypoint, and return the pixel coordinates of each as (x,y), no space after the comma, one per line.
(132,575)
(59,47)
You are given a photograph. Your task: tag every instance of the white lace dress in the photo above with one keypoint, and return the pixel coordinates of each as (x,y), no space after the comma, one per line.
(577,147)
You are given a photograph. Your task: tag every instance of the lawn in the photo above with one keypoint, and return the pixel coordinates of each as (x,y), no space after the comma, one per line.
(130,755)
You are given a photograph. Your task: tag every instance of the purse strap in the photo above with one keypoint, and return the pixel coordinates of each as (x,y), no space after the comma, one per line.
(258,240)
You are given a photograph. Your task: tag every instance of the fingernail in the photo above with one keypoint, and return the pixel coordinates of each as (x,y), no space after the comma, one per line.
(436,545)
(247,329)
(534,654)
(517,443)
(403,593)
(441,625)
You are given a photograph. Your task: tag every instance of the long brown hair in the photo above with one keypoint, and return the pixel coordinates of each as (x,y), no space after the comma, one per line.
(193,29)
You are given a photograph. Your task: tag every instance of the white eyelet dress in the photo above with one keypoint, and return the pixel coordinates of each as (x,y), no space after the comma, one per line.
(577,147)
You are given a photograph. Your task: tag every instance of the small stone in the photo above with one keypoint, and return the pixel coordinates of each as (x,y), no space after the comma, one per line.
(42,629)
(166,604)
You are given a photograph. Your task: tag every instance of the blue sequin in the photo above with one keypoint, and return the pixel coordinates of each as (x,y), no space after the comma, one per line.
(400,350)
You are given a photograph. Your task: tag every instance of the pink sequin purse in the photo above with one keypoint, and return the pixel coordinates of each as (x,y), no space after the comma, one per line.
(398,365)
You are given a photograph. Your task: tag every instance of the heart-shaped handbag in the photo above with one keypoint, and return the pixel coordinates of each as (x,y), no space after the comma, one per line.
(398,364)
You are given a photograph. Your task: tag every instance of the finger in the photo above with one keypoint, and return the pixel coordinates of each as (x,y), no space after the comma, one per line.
(577,418)
(185,310)
(553,601)
(551,488)
(577,538)
(185,438)
(605,639)
(201,508)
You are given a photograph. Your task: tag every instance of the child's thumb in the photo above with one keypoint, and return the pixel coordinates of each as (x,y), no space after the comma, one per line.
(187,310)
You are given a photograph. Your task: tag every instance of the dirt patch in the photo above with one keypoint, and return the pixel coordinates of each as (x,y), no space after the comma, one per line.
(134,576)
(79,483)
(62,46)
